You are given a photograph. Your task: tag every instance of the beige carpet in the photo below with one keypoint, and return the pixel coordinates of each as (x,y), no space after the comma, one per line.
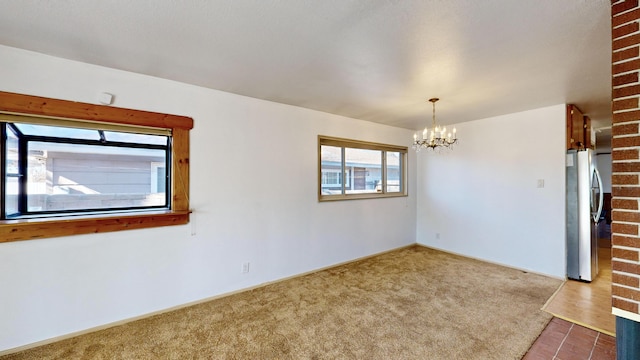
(413,303)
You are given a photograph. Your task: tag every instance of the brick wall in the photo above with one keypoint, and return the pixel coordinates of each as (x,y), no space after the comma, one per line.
(626,159)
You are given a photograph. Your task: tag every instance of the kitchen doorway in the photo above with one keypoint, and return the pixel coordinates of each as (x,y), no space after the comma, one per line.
(589,304)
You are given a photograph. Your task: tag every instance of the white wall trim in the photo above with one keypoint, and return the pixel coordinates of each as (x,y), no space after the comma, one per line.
(625,314)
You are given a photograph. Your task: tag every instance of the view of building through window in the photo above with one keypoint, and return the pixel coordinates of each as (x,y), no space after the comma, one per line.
(348,170)
(51,169)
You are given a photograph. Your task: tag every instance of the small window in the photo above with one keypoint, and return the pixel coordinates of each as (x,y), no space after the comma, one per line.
(56,170)
(56,131)
(332,178)
(114,136)
(351,169)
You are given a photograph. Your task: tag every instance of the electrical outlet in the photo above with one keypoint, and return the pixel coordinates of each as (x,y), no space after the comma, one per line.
(437,235)
(245,268)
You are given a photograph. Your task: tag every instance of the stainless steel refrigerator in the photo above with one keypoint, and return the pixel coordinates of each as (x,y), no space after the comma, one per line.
(584,208)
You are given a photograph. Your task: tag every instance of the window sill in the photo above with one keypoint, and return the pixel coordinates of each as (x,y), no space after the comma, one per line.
(31,229)
(339,197)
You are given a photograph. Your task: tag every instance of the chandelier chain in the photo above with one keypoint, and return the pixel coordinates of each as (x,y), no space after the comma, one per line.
(434,114)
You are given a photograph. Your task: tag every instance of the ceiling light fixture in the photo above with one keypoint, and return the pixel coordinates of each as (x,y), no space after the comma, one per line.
(437,138)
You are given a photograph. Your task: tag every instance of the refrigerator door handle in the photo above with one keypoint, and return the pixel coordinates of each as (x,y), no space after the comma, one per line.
(601,200)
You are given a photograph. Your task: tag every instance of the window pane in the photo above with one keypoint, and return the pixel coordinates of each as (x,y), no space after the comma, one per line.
(331,170)
(364,167)
(394,164)
(81,177)
(12,152)
(11,196)
(57,131)
(11,182)
(161,176)
(135,138)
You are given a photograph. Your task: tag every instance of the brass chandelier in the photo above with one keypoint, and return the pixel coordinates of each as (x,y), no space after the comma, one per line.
(435,139)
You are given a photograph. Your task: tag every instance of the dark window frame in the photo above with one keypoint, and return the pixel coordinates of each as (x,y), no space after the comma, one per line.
(23,149)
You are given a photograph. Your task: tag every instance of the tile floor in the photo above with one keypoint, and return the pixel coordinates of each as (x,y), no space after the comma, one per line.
(563,340)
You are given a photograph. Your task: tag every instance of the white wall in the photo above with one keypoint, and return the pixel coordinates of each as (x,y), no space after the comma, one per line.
(605,168)
(482,198)
(253,189)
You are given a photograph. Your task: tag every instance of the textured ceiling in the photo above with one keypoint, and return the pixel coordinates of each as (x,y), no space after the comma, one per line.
(375,60)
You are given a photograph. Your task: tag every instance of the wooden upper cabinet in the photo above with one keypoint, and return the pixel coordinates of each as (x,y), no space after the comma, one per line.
(575,128)
(589,143)
(578,129)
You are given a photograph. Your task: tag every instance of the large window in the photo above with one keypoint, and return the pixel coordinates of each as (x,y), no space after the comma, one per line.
(71,168)
(351,169)
(60,170)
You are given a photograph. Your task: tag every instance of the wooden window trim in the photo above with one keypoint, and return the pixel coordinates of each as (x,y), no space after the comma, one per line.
(35,228)
(359,144)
